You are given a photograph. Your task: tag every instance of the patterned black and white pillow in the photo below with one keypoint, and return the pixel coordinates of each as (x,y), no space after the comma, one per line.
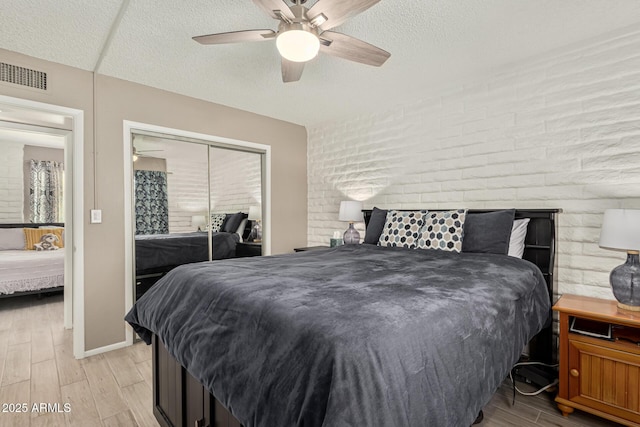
(216,221)
(443,230)
(402,229)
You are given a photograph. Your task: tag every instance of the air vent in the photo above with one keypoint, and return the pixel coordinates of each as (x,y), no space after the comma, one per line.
(23,76)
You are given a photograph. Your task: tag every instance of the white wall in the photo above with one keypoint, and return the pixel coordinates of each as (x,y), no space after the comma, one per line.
(561,130)
(235,178)
(187,189)
(11,184)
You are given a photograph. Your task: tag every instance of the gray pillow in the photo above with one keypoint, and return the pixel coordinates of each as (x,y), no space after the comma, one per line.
(488,232)
(233,222)
(12,239)
(375,226)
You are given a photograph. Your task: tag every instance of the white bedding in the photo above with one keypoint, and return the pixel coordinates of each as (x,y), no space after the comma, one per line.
(30,270)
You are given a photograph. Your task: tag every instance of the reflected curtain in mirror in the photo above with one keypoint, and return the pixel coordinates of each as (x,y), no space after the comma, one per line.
(46,186)
(151,202)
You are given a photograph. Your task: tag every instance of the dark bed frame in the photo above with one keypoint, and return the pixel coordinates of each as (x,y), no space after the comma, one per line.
(180,400)
(38,292)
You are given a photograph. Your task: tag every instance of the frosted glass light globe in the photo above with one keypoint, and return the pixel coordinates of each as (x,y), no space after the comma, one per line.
(298,45)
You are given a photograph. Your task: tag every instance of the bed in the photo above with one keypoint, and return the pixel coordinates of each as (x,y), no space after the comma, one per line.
(24,272)
(163,252)
(157,254)
(355,335)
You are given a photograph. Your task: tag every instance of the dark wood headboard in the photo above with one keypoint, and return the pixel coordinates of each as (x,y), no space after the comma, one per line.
(540,249)
(31,225)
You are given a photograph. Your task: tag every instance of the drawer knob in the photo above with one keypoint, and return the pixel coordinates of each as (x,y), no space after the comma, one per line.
(574,373)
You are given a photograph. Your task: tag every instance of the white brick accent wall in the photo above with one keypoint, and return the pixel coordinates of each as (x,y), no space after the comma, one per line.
(11,181)
(561,130)
(187,190)
(235,178)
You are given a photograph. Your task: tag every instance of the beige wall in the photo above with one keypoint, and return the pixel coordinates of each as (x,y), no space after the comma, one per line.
(119,100)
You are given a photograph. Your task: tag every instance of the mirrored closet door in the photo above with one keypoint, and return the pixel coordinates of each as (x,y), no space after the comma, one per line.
(193,201)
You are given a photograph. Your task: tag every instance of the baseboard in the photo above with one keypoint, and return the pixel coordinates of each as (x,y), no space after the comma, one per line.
(105,349)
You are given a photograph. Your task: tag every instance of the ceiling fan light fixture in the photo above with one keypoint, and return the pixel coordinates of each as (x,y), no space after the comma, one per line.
(298,45)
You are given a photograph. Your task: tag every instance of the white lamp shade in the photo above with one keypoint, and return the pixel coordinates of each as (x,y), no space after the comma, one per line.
(298,45)
(198,220)
(620,229)
(351,211)
(255,213)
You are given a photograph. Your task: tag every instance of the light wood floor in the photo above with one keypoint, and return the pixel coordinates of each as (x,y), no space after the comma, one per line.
(114,389)
(37,366)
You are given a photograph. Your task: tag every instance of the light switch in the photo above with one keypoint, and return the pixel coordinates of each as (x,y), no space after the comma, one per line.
(96,216)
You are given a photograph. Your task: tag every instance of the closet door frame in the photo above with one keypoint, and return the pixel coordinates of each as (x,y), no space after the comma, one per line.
(130,128)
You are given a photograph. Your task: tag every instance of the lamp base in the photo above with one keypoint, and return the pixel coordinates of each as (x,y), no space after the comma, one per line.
(628,307)
(625,282)
(351,236)
(256,232)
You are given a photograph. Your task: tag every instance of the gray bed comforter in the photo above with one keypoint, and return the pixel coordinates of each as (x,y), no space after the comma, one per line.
(351,336)
(158,251)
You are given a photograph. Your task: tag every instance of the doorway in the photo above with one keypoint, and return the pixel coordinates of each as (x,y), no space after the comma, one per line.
(65,125)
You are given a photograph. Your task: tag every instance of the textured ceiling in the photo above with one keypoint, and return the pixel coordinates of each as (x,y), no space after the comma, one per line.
(434,45)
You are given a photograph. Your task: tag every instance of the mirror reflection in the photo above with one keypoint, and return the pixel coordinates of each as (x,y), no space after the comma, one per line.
(192,203)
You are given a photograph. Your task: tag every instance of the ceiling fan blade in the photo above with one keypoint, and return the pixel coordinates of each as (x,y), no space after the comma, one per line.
(338,11)
(236,37)
(352,49)
(277,9)
(291,71)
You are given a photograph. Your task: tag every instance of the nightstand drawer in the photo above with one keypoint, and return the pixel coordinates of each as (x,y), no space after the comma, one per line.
(602,377)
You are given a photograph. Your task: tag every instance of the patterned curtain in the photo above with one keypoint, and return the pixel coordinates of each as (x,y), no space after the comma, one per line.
(46,197)
(152,203)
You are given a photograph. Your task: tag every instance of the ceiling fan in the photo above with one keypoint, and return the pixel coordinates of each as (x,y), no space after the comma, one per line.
(303,32)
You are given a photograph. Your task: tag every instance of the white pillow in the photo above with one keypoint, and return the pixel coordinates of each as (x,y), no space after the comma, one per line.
(240,230)
(518,234)
(12,239)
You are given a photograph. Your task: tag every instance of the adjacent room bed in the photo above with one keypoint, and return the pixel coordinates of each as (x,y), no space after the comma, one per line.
(364,335)
(27,271)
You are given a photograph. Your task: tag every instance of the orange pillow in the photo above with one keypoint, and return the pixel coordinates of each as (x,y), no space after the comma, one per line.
(33,236)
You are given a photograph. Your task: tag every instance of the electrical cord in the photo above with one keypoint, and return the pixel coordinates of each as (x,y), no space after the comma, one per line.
(533,393)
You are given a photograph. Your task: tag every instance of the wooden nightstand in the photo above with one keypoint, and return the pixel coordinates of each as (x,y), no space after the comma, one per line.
(310,248)
(246,249)
(598,375)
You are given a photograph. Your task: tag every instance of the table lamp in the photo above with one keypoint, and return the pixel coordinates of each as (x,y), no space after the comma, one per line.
(198,221)
(255,215)
(621,230)
(351,211)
